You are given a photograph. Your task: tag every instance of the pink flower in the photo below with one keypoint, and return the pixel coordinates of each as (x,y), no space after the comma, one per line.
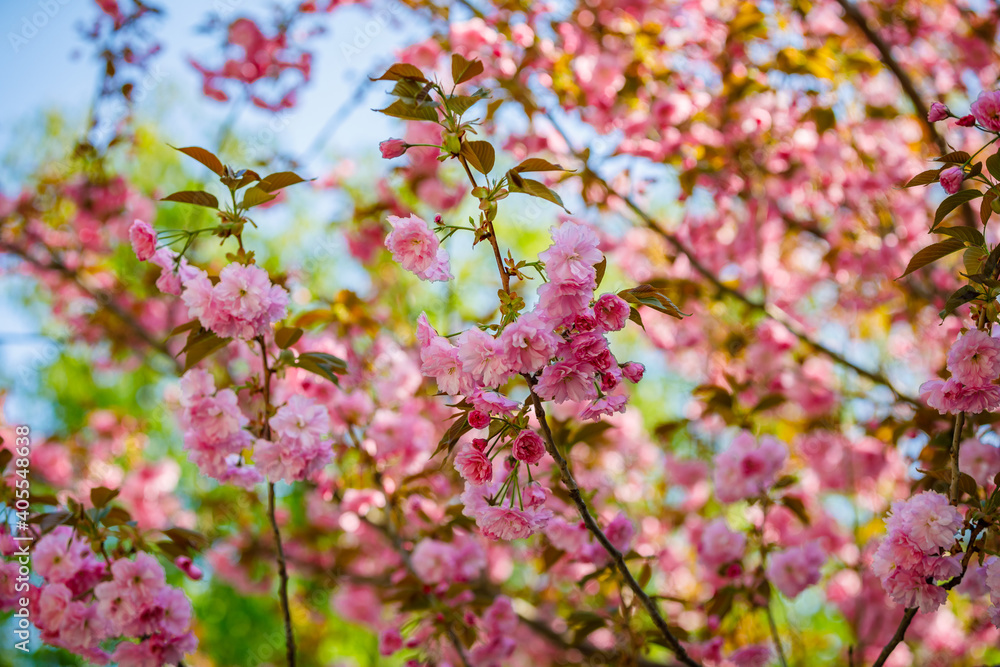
(795,569)
(751,656)
(605,405)
(528,343)
(303,420)
(747,468)
(412,244)
(528,447)
(937,112)
(493,403)
(611,312)
(243,304)
(389,640)
(392,148)
(143,240)
(986,110)
(573,254)
(559,302)
(433,561)
(620,532)
(59,555)
(951,396)
(974,359)
(473,465)
(440,360)
(930,520)
(564,381)
(483,358)
(478,419)
(505,523)
(720,545)
(633,371)
(951,179)
(980,460)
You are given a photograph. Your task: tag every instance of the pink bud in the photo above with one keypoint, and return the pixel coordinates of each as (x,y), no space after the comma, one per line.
(938,112)
(967,121)
(187,566)
(633,371)
(392,148)
(951,179)
(478,419)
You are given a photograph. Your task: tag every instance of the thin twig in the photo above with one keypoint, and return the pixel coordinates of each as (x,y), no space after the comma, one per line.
(774,635)
(896,638)
(588,519)
(282,568)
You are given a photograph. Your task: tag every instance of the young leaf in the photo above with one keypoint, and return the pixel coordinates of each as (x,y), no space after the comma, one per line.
(197,197)
(249,176)
(970,235)
(924,178)
(932,253)
(538,164)
(101,496)
(402,71)
(400,109)
(993,165)
(654,298)
(960,297)
(952,202)
(986,206)
(255,196)
(633,314)
(458,428)
(192,325)
(973,259)
(480,154)
(459,104)
(205,157)
(462,70)
(957,157)
(285,337)
(533,188)
(199,345)
(797,507)
(281,179)
(323,364)
(600,268)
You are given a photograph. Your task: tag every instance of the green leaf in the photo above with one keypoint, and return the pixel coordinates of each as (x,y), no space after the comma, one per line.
(600,268)
(255,196)
(400,109)
(116,516)
(533,188)
(462,70)
(633,314)
(458,428)
(480,154)
(538,164)
(932,253)
(278,180)
(960,297)
(191,325)
(285,337)
(768,402)
(993,165)
(924,178)
(986,207)
(402,71)
(459,104)
(973,259)
(970,235)
(207,158)
(201,344)
(186,539)
(323,364)
(197,197)
(797,507)
(101,496)
(654,298)
(954,201)
(957,157)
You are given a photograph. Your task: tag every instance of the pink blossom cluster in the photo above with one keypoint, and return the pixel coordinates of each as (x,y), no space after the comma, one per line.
(300,447)
(795,569)
(441,563)
(748,467)
(78,607)
(993,586)
(719,545)
(909,559)
(244,303)
(415,247)
(500,521)
(974,363)
(213,430)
